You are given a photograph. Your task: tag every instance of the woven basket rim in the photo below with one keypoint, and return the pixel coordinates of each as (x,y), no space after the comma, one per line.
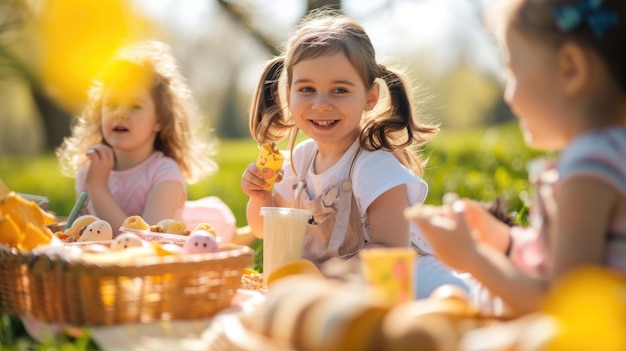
(225,252)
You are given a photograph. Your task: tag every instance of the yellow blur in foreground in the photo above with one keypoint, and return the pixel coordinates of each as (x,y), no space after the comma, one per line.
(300,266)
(22,222)
(78,38)
(590,309)
(389,272)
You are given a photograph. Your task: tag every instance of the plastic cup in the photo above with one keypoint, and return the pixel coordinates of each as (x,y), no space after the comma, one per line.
(269,162)
(389,272)
(283,236)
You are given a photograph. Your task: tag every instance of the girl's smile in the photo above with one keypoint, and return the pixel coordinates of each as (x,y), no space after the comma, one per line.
(327,98)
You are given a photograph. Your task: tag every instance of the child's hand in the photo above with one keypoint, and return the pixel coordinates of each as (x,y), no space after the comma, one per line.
(448,233)
(486,227)
(253,184)
(102,162)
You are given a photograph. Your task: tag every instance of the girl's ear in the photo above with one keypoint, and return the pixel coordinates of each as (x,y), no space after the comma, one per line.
(371,98)
(574,65)
(158,125)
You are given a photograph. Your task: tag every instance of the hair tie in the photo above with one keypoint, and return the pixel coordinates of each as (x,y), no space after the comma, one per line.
(599,19)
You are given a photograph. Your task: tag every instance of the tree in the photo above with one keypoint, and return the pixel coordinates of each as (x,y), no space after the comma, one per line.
(14,15)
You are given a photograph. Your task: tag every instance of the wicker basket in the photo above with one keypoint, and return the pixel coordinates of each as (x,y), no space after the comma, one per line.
(159,289)
(14,284)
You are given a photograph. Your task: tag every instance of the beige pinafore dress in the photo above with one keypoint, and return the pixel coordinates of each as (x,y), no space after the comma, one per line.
(336,229)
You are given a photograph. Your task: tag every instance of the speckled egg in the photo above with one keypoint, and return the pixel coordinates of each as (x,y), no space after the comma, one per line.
(126,240)
(200,241)
(97,231)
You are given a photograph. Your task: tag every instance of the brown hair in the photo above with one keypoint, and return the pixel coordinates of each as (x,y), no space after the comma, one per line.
(538,19)
(394,128)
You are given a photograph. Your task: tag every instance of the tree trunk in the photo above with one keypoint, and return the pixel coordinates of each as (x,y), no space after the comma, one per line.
(55,119)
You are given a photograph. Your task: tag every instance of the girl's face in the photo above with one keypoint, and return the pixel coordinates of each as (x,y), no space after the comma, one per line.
(533,91)
(129,119)
(327,98)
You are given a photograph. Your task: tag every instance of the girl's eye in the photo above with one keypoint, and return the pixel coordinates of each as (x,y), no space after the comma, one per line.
(339,91)
(136,107)
(306,90)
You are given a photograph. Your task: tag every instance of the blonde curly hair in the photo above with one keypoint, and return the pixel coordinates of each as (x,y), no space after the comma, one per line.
(174,104)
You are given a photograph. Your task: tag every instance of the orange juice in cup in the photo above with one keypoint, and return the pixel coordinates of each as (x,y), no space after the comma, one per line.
(270,162)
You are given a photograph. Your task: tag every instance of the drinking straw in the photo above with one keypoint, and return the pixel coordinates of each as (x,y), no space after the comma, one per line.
(76,209)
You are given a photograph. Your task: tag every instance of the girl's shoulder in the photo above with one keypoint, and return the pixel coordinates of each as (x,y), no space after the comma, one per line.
(161,163)
(303,152)
(599,145)
(600,153)
(305,147)
(376,159)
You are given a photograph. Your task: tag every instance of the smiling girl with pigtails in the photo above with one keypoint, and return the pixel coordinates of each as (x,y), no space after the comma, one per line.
(360,166)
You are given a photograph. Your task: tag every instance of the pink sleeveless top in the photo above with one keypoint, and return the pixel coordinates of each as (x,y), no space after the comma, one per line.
(130,187)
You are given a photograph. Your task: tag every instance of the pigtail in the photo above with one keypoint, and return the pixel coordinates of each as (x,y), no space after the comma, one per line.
(396,128)
(266,112)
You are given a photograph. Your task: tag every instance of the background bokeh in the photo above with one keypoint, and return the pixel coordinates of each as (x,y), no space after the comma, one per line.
(50,51)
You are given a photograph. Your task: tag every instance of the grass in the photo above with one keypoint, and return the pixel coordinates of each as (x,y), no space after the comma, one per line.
(480,164)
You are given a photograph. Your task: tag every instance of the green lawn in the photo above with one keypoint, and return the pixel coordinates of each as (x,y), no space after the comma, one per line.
(479,164)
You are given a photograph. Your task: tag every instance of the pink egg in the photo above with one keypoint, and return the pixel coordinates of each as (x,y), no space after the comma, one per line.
(200,241)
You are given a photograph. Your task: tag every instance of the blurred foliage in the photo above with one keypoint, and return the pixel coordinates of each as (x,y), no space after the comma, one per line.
(13,337)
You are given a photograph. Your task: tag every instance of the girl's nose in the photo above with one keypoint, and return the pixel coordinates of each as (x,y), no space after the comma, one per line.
(322,104)
(120,116)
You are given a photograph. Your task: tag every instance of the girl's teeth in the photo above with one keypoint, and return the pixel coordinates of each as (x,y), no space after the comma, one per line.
(324,123)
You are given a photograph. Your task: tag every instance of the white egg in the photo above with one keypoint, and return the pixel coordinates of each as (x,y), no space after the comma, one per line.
(97,231)
(200,241)
(126,240)
(95,248)
(172,248)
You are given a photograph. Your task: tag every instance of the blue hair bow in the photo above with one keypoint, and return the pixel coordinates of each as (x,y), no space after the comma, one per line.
(569,17)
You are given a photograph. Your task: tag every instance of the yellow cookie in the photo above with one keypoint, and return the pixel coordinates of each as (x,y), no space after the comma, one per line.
(136,222)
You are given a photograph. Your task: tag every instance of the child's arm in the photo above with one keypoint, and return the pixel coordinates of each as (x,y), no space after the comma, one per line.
(101,163)
(583,210)
(105,206)
(387,224)
(454,245)
(163,201)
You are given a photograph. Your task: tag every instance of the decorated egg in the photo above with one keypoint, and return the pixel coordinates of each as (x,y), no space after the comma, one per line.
(126,240)
(97,231)
(205,226)
(200,241)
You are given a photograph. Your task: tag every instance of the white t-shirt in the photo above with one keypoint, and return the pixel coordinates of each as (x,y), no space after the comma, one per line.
(374,173)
